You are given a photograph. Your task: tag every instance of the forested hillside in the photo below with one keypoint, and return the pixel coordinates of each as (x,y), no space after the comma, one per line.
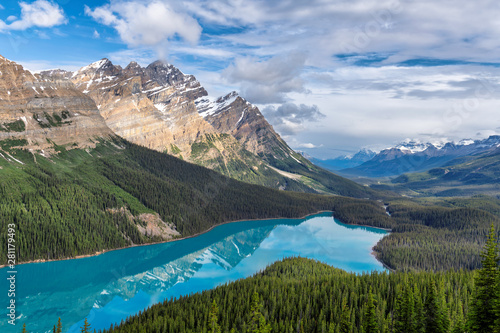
(302,295)
(433,234)
(83,201)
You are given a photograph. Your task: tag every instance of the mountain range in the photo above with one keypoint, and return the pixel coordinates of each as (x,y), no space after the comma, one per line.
(344,161)
(414,156)
(163,109)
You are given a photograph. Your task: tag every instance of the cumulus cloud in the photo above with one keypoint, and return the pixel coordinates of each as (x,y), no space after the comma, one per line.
(289,118)
(41,14)
(267,81)
(307,145)
(146,23)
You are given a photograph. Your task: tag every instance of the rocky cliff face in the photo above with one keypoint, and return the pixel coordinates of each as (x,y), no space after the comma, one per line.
(154,106)
(234,115)
(43,110)
(148,106)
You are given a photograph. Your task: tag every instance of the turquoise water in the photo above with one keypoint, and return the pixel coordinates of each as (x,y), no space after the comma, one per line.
(107,288)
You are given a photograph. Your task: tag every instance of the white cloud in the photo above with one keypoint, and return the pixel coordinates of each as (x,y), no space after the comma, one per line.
(267,81)
(96,34)
(307,145)
(2,7)
(143,56)
(146,23)
(290,118)
(41,14)
(208,52)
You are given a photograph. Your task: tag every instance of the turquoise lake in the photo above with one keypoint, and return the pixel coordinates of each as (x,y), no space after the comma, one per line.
(110,287)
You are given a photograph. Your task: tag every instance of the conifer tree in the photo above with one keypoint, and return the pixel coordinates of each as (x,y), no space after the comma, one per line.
(257,323)
(404,312)
(482,313)
(458,322)
(435,321)
(213,318)
(371,322)
(345,319)
(86,327)
(59,326)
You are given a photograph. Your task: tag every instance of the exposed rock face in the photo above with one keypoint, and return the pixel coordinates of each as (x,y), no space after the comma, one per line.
(148,106)
(234,115)
(45,109)
(155,107)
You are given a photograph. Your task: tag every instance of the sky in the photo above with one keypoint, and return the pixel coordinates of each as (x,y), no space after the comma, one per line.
(331,76)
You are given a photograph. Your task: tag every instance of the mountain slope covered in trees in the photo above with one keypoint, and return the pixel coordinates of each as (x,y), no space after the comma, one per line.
(302,295)
(83,201)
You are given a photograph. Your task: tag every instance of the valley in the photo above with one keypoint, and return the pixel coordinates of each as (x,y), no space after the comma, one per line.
(108,158)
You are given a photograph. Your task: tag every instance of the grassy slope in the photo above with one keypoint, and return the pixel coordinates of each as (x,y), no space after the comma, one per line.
(230,159)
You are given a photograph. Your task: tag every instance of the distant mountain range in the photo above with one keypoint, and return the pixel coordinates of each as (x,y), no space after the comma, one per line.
(414,156)
(468,175)
(344,161)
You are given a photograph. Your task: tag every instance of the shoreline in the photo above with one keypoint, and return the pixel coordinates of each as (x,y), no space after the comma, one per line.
(376,254)
(191,236)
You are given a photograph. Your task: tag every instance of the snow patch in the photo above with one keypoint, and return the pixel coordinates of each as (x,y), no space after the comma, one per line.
(236,246)
(207,107)
(94,65)
(466,142)
(241,118)
(162,107)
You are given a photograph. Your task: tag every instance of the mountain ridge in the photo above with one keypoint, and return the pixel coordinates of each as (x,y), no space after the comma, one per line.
(160,107)
(414,156)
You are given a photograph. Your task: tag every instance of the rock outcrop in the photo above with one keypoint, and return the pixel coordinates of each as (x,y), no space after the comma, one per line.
(42,110)
(233,115)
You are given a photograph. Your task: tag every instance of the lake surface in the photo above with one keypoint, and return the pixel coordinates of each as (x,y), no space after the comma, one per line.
(110,287)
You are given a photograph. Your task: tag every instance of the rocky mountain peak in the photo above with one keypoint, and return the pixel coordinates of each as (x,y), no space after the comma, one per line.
(231,96)
(166,74)
(103,67)
(46,108)
(55,74)
(133,69)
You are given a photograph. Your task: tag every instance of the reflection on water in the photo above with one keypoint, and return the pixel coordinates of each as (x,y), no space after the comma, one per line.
(108,288)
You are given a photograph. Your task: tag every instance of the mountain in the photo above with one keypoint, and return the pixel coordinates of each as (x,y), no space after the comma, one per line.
(414,156)
(38,112)
(464,176)
(74,187)
(154,107)
(161,108)
(345,161)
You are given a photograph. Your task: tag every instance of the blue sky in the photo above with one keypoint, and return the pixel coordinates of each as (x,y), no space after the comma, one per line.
(332,76)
